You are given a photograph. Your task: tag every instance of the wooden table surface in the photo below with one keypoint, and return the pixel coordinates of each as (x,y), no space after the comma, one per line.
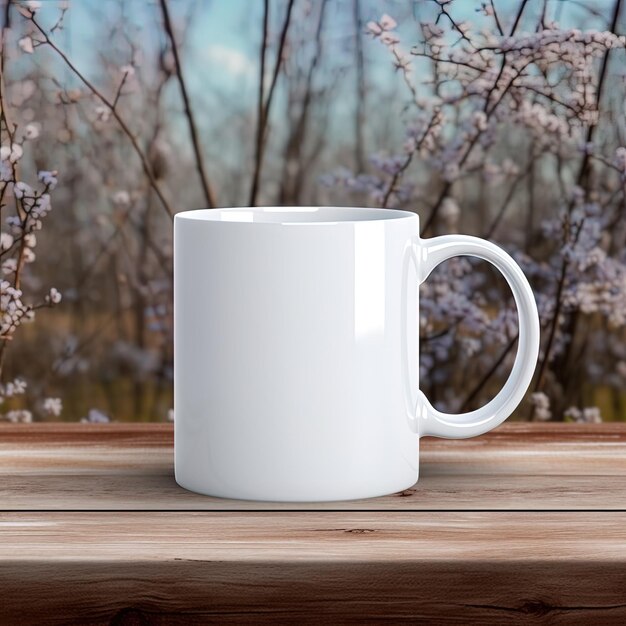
(527,523)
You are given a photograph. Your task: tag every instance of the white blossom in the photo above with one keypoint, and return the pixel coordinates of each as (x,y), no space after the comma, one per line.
(9,266)
(48,178)
(22,416)
(588,415)
(390,39)
(32,205)
(31,131)
(53,296)
(15,387)
(53,406)
(592,415)
(12,153)
(479,120)
(431,30)
(21,189)
(450,172)
(374,29)
(541,405)
(121,197)
(26,44)
(103,113)
(28,256)
(6,241)
(6,173)
(384,25)
(13,311)
(387,22)
(450,211)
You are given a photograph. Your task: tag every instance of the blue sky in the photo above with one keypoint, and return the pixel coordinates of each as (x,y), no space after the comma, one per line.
(223,40)
(220,52)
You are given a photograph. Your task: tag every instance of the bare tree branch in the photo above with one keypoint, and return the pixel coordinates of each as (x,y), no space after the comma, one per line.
(565,263)
(264,109)
(209,194)
(114,112)
(360,87)
(259,120)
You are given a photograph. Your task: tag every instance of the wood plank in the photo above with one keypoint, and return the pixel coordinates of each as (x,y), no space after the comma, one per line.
(300,536)
(101,534)
(130,467)
(281,567)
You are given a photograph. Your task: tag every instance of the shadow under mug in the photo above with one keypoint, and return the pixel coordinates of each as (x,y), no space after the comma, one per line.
(296,371)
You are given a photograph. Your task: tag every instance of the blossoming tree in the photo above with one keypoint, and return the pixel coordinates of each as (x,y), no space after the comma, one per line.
(501,119)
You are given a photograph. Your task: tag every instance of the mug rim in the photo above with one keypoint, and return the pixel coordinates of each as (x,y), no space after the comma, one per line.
(292,215)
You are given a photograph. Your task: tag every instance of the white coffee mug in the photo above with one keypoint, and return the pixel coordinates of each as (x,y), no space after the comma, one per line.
(296,351)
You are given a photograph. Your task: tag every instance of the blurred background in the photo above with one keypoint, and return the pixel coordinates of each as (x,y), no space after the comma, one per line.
(503,119)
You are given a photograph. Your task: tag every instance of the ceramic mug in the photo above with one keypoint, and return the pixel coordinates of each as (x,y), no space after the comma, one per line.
(296,351)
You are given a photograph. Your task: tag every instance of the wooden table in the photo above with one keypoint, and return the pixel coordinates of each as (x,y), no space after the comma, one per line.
(528,522)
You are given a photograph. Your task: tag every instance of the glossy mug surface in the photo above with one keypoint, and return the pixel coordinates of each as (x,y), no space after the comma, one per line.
(296,351)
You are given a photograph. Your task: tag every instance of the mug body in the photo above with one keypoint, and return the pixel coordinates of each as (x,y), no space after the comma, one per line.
(294,329)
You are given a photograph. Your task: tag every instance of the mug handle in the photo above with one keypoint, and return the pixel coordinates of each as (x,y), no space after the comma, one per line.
(427,254)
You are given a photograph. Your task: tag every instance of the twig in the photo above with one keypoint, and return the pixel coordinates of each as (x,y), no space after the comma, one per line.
(443,11)
(542,20)
(209,194)
(259,120)
(392,183)
(279,60)
(518,17)
(553,326)
(601,77)
(433,212)
(104,249)
(360,87)
(495,17)
(58,25)
(4,340)
(417,53)
(264,109)
(292,181)
(509,196)
(446,188)
(581,174)
(119,89)
(488,374)
(549,97)
(114,112)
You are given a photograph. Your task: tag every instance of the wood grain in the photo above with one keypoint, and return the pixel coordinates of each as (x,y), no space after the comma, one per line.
(304,537)
(304,568)
(524,525)
(130,467)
